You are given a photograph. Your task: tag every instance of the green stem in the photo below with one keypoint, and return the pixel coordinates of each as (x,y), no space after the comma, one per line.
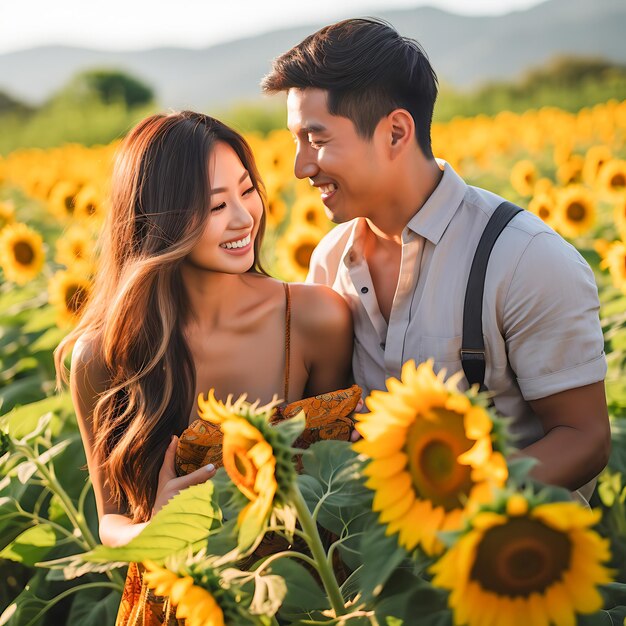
(76,518)
(317,550)
(282,555)
(60,529)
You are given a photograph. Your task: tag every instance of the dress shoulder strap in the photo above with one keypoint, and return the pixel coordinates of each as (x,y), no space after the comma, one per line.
(287,339)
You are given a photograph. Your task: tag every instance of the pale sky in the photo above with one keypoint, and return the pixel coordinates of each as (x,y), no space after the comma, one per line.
(140,24)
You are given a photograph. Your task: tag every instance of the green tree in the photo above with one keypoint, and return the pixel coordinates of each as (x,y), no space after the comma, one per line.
(9,104)
(109,86)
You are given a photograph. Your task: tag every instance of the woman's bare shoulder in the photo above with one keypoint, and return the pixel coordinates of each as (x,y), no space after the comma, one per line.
(318,309)
(88,366)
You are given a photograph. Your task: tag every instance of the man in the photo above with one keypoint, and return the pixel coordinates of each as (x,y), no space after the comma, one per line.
(360,100)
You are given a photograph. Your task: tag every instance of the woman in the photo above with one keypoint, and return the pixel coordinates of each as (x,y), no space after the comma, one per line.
(181,305)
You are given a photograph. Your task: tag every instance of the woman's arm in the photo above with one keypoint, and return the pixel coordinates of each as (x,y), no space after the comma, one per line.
(323,320)
(88,380)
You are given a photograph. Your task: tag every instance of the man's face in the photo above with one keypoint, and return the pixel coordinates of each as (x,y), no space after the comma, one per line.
(347,169)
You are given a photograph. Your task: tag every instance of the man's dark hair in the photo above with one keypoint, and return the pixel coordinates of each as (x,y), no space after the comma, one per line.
(368,69)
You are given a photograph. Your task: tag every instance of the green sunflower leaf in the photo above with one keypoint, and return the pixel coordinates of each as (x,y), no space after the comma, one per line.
(381,557)
(304,594)
(94,607)
(30,546)
(184,523)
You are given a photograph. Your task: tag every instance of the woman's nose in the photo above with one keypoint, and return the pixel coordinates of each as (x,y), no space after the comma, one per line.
(241,217)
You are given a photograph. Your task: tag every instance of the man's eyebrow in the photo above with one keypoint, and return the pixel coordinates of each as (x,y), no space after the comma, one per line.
(313,127)
(222,189)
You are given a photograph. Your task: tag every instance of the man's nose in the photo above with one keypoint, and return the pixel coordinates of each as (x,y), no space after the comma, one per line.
(305,164)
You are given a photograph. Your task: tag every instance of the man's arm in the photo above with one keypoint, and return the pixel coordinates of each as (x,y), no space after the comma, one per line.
(577,440)
(555,347)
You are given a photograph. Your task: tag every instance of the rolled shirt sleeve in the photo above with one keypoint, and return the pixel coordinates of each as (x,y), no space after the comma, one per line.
(551,320)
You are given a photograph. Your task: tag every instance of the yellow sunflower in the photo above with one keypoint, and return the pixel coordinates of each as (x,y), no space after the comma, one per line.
(7,214)
(294,250)
(570,171)
(21,253)
(612,179)
(575,211)
(432,457)
(276,210)
(62,198)
(542,205)
(195,605)
(89,204)
(525,564)
(615,261)
(595,158)
(523,177)
(69,293)
(75,249)
(252,452)
(277,156)
(619,216)
(308,209)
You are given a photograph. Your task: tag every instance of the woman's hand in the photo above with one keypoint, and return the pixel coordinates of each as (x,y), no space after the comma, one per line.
(170,484)
(355,435)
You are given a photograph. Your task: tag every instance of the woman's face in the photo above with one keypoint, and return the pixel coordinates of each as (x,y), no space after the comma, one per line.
(227,243)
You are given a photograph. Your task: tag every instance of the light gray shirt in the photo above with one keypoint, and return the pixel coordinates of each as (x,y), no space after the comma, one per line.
(540,308)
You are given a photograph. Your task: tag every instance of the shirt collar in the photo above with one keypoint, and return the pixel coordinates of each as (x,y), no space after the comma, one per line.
(355,245)
(437,212)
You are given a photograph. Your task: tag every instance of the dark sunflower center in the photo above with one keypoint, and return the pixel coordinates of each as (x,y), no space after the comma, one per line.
(437,459)
(303,254)
(24,253)
(309,216)
(618,180)
(433,448)
(544,212)
(576,212)
(90,208)
(75,298)
(521,557)
(69,203)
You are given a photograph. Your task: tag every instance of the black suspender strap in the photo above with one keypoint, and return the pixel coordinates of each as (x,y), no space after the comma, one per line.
(472,343)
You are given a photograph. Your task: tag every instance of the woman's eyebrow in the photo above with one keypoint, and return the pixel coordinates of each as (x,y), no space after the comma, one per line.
(245,175)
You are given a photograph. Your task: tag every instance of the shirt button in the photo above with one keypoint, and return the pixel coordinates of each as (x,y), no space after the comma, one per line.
(364,289)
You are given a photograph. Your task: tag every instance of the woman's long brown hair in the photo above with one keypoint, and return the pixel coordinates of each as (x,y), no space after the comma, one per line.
(160,200)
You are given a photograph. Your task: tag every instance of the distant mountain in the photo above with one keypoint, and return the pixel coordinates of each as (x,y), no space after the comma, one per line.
(465,51)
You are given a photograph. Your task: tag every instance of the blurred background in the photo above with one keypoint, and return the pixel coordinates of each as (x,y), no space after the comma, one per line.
(532,106)
(79,72)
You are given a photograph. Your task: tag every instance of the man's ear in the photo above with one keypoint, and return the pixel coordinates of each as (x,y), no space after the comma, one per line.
(402,130)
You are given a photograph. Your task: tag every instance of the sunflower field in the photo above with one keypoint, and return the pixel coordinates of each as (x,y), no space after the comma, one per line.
(372,532)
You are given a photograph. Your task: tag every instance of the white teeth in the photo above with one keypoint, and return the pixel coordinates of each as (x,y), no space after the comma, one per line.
(236,244)
(328,188)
